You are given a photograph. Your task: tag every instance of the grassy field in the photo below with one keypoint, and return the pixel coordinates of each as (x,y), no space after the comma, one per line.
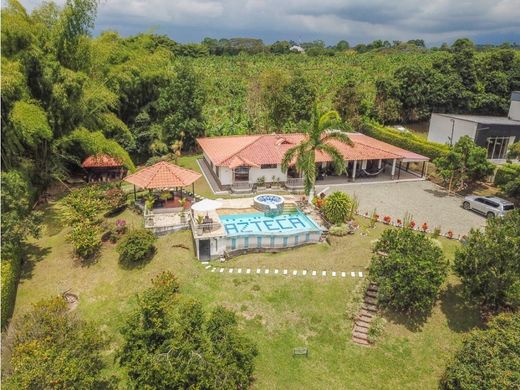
(278,312)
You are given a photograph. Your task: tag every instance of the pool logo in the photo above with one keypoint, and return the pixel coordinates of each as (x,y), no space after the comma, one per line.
(271,225)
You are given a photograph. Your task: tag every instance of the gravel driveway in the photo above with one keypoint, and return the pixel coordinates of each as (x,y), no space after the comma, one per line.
(425,201)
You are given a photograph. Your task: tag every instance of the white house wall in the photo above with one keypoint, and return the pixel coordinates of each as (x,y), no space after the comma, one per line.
(225,175)
(255,173)
(440,129)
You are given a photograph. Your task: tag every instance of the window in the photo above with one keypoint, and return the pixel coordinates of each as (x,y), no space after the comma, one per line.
(241,174)
(497,147)
(268,166)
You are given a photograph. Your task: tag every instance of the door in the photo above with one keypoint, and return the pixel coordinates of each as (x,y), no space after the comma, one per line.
(479,205)
(204,250)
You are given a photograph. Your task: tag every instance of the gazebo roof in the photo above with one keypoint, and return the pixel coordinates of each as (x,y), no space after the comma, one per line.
(101,161)
(163,175)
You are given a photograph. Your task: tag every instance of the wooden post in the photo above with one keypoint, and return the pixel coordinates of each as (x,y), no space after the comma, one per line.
(135,194)
(193,189)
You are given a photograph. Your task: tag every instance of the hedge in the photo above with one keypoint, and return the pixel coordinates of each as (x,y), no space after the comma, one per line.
(506,173)
(10,269)
(406,141)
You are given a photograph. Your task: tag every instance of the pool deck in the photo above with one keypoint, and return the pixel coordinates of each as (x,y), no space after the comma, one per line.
(230,205)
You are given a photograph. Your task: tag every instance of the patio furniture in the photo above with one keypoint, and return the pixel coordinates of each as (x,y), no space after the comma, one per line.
(301,351)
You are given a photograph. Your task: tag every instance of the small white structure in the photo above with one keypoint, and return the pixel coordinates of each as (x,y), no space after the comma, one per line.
(297,49)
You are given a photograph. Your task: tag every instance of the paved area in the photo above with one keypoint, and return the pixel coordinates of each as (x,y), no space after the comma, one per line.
(425,201)
(284,272)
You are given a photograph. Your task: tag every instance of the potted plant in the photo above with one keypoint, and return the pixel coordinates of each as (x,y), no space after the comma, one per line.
(182,203)
(274,181)
(399,222)
(449,234)
(200,220)
(411,225)
(387,219)
(260,183)
(424,227)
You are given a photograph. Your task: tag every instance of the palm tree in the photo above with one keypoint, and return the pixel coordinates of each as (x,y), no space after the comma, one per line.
(323,128)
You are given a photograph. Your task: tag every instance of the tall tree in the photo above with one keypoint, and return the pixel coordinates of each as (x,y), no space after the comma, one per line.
(489,263)
(180,106)
(169,343)
(465,162)
(318,136)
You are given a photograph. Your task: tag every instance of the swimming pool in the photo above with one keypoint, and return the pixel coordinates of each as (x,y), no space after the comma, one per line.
(260,224)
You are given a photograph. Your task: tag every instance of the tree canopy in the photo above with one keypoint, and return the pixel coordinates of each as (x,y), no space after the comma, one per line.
(409,269)
(488,359)
(169,342)
(489,263)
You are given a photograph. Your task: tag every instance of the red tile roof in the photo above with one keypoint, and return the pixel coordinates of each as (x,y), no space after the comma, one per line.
(101,161)
(251,150)
(163,175)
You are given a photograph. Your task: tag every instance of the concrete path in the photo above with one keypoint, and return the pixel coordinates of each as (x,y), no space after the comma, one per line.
(425,201)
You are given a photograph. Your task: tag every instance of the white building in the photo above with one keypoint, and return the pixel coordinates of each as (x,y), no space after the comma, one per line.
(491,132)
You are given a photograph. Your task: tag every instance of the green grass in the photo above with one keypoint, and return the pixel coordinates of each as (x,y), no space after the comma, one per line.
(278,312)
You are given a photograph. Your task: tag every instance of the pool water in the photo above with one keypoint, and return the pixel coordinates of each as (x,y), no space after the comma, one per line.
(259,223)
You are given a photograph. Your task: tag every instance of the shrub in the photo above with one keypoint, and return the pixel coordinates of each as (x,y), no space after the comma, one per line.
(376,329)
(136,246)
(506,173)
(339,230)
(337,207)
(508,179)
(436,232)
(114,198)
(489,262)
(10,269)
(409,268)
(85,239)
(488,359)
(406,141)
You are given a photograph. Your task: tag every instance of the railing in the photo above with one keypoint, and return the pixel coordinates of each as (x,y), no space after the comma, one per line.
(204,228)
(294,182)
(241,187)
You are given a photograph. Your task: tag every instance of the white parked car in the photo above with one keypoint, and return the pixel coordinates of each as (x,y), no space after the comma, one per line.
(490,206)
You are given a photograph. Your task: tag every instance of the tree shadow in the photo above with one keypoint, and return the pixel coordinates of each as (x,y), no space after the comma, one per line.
(32,255)
(461,315)
(411,321)
(51,220)
(437,193)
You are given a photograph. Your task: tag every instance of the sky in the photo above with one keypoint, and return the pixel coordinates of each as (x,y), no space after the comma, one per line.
(357,21)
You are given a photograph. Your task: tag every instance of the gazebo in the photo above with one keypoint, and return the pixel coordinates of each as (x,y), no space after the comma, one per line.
(166,177)
(102,167)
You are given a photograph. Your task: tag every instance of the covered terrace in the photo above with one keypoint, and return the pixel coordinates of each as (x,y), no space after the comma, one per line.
(165,205)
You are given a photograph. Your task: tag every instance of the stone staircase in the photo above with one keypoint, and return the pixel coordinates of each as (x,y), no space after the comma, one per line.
(289,208)
(365,316)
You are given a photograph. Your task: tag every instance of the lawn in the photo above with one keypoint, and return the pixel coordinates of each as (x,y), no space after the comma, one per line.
(278,312)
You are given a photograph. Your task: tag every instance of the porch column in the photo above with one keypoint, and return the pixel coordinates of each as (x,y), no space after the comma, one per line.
(354,170)
(379,164)
(393,168)
(399,170)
